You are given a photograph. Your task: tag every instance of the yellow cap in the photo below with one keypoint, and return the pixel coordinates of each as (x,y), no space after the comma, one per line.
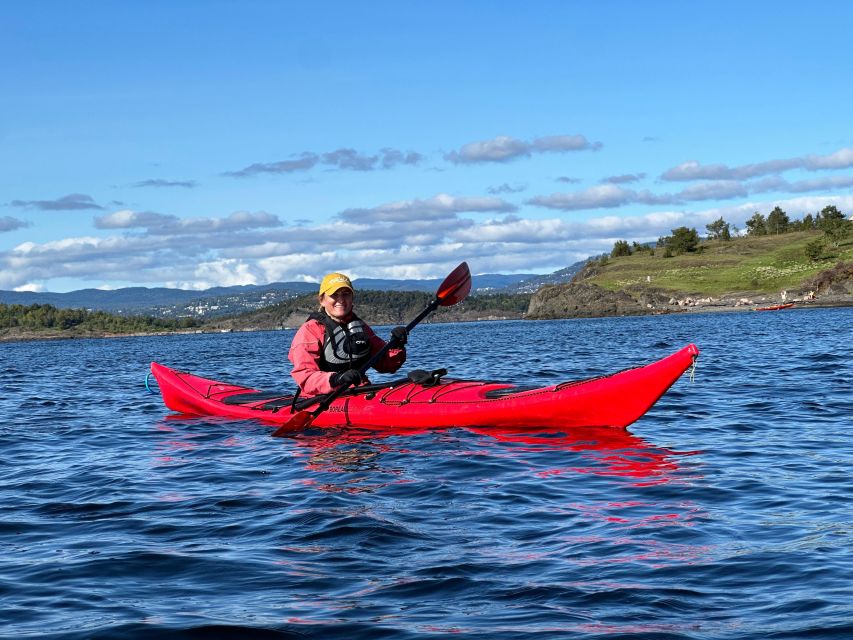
(334,281)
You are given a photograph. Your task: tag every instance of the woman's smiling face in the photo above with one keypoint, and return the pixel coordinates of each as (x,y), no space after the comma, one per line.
(338,305)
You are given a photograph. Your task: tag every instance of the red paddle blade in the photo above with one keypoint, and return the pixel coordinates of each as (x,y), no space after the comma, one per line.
(455,287)
(300,420)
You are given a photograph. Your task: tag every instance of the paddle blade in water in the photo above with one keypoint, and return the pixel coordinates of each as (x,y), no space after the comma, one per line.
(455,287)
(299,421)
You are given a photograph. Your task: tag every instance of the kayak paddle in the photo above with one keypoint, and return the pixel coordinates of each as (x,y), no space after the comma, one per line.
(454,289)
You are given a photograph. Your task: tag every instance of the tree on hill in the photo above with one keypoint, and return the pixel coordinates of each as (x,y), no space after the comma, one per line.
(620,248)
(777,221)
(829,214)
(682,240)
(756,225)
(814,250)
(719,230)
(835,226)
(806,224)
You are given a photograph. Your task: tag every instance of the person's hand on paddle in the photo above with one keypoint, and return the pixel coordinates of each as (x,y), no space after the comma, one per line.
(346,378)
(400,336)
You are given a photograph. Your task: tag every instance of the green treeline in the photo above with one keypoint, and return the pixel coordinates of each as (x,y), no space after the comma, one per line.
(38,317)
(497,302)
(406,303)
(830,220)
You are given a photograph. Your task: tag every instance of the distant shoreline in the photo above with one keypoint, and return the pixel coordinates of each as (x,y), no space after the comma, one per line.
(709,307)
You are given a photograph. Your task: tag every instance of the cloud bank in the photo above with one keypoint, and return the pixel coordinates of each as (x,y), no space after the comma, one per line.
(611,196)
(417,238)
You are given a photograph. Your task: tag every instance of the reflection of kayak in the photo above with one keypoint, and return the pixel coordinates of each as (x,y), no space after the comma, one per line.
(604,451)
(775,307)
(615,400)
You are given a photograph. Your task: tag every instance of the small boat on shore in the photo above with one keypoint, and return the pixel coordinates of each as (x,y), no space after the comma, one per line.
(776,307)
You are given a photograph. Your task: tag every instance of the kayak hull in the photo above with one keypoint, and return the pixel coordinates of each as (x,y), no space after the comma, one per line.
(615,400)
(776,307)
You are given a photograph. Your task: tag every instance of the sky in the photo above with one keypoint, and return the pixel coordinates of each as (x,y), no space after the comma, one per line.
(191,144)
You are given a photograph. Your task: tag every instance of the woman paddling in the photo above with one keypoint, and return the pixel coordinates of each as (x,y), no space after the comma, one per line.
(334,343)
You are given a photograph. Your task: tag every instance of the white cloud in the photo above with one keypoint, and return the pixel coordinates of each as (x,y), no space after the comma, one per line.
(624,178)
(506,148)
(29,286)
(499,149)
(693,170)
(820,184)
(161,183)
(564,143)
(441,206)
(71,202)
(611,196)
(841,159)
(720,190)
(161,224)
(8,223)
(225,272)
(506,188)
(127,219)
(343,159)
(604,196)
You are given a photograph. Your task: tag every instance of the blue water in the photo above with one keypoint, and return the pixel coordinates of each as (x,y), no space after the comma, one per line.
(724,513)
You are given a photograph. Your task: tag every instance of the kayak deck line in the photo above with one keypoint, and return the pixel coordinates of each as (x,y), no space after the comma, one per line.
(613,400)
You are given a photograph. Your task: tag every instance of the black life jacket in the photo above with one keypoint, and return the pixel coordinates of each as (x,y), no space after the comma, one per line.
(345,346)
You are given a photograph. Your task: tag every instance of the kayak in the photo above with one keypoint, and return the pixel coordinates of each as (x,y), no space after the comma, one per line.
(775,307)
(429,400)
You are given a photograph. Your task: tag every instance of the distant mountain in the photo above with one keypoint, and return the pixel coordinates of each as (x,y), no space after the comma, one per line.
(532,284)
(489,282)
(220,301)
(139,300)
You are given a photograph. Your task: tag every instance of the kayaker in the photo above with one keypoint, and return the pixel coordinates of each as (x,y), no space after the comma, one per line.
(334,343)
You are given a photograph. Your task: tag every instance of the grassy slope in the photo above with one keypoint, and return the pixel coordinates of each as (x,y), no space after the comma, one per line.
(751,264)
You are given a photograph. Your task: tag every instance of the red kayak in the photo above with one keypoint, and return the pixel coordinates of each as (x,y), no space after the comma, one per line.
(775,307)
(614,400)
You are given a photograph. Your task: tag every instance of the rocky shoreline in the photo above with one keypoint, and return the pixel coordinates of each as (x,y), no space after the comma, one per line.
(583,300)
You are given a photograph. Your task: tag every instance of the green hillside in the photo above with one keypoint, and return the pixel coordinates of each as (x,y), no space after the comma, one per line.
(760,264)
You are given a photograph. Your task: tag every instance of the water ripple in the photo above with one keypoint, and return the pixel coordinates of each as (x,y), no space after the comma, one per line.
(722,514)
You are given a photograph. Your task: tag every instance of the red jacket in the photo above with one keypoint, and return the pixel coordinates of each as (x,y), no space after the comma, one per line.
(305,355)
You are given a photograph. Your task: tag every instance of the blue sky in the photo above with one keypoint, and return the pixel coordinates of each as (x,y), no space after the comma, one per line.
(194,144)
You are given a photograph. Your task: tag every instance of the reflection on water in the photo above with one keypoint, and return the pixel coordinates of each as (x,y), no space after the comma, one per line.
(362,454)
(603,451)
